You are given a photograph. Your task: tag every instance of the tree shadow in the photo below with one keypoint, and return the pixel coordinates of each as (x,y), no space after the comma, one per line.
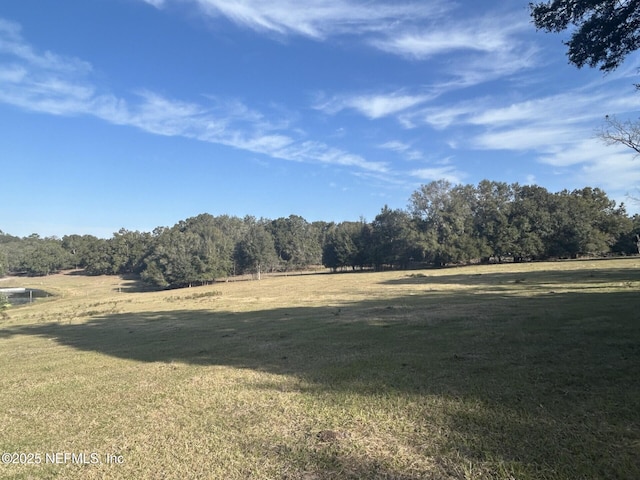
(561,367)
(530,279)
(132,283)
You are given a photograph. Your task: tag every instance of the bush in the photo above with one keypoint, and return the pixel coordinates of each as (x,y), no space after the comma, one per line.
(4,301)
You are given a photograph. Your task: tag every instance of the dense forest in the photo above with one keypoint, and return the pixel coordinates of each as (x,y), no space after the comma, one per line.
(443,224)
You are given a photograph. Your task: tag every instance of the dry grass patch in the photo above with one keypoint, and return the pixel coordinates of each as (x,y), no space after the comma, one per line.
(505,371)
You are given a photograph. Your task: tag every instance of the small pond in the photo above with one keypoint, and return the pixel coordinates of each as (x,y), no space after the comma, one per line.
(22,296)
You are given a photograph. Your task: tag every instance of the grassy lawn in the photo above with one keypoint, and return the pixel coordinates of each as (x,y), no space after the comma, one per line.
(525,371)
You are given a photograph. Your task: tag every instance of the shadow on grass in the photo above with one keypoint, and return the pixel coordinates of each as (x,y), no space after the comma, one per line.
(132,283)
(528,279)
(546,387)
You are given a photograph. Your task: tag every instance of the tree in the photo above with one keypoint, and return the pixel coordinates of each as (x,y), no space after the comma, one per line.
(532,218)
(629,241)
(184,254)
(493,218)
(11,254)
(604,222)
(363,240)
(230,230)
(445,214)
(348,244)
(6,238)
(210,245)
(173,261)
(626,133)
(80,248)
(256,252)
(606,31)
(295,241)
(43,256)
(97,260)
(394,239)
(339,248)
(3,263)
(128,250)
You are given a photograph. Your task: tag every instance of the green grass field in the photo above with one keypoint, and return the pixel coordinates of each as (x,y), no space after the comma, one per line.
(528,371)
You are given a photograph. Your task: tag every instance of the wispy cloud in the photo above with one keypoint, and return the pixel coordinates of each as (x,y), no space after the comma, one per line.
(12,44)
(569,111)
(413,29)
(395,145)
(488,47)
(489,35)
(615,171)
(58,85)
(549,122)
(405,149)
(461,54)
(318,19)
(373,106)
(447,172)
(470,51)
(155,3)
(560,129)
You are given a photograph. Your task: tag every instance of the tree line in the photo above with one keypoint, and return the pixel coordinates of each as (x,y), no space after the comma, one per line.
(443,224)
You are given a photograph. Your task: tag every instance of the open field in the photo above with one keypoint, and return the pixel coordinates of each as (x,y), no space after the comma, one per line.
(528,371)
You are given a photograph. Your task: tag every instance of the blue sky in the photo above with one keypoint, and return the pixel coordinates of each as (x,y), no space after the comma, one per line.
(140,113)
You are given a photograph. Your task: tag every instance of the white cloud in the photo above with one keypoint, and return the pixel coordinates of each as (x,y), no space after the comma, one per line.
(560,129)
(485,48)
(13,45)
(614,171)
(441,117)
(403,148)
(322,153)
(594,163)
(470,70)
(589,162)
(372,106)
(52,84)
(395,146)
(449,173)
(580,151)
(12,74)
(445,38)
(412,29)
(377,106)
(320,18)
(525,137)
(155,3)
(569,108)
(547,123)
(538,124)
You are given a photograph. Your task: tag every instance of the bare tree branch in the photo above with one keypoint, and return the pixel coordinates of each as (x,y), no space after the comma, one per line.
(625,133)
